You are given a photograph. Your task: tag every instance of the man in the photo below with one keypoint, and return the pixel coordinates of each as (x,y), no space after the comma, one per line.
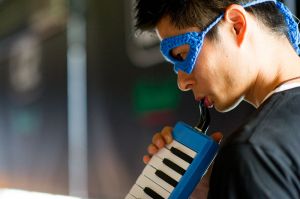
(226,51)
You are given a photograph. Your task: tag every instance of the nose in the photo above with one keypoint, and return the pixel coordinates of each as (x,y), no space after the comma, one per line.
(184,81)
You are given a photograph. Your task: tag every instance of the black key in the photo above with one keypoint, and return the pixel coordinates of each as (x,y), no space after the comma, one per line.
(173,166)
(166,178)
(152,193)
(181,155)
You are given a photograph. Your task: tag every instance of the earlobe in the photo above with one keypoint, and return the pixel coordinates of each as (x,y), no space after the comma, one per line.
(236,16)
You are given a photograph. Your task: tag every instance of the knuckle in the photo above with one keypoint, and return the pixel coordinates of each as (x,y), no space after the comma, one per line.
(155,137)
(167,129)
(152,149)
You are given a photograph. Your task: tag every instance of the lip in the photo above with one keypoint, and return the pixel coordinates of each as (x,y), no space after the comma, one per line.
(206,100)
(208,103)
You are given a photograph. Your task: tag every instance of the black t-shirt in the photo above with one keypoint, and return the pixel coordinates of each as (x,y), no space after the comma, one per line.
(262,158)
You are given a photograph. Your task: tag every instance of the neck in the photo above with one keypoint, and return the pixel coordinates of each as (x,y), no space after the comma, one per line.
(285,68)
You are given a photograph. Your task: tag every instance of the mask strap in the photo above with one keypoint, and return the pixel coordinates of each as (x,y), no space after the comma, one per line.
(208,28)
(294,34)
(293,29)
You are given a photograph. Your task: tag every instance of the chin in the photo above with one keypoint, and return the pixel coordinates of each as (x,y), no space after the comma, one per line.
(228,107)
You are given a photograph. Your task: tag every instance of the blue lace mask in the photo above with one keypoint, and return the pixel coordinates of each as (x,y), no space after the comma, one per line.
(195,39)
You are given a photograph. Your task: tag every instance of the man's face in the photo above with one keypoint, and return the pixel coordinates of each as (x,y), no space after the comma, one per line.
(219,74)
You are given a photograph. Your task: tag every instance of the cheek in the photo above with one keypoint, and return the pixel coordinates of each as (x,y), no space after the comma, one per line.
(212,65)
(218,78)
(205,76)
(215,65)
(201,71)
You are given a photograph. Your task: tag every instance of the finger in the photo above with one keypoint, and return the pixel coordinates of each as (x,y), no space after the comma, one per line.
(146,159)
(167,134)
(158,140)
(152,149)
(217,136)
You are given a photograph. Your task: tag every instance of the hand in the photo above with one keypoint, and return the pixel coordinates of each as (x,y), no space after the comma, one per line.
(159,140)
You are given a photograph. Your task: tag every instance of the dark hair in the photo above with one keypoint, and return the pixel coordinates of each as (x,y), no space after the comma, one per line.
(199,13)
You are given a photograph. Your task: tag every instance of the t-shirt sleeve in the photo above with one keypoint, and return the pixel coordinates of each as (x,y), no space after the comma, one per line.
(241,171)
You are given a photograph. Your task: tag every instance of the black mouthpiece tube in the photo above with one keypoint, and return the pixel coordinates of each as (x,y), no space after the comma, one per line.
(204,117)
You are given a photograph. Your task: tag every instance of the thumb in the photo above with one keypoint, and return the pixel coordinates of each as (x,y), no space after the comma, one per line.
(217,136)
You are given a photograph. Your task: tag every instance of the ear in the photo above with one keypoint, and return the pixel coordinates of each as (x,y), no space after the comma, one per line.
(237,17)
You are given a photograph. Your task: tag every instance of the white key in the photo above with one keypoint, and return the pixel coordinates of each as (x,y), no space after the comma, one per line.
(129,196)
(165,153)
(143,182)
(138,192)
(158,164)
(149,172)
(182,148)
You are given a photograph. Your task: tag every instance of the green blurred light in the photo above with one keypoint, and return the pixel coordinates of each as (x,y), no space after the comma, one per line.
(152,95)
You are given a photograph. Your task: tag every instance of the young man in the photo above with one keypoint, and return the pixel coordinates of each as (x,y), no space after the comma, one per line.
(226,51)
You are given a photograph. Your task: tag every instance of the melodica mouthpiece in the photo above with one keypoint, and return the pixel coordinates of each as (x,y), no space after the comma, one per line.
(204,118)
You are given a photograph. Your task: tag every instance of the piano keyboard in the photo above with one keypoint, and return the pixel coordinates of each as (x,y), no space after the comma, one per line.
(177,168)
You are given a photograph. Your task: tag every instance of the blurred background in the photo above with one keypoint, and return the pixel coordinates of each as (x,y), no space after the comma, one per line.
(81,95)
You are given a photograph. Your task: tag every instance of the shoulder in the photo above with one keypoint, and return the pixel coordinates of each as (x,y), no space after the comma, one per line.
(260,159)
(277,120)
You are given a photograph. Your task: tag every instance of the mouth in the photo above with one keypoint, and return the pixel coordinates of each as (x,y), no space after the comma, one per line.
(207,102)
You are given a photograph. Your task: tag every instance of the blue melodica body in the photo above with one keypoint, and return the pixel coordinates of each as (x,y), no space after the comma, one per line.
(206,149)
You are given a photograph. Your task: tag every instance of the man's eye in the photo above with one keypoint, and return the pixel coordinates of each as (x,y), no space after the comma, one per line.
(179,57)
